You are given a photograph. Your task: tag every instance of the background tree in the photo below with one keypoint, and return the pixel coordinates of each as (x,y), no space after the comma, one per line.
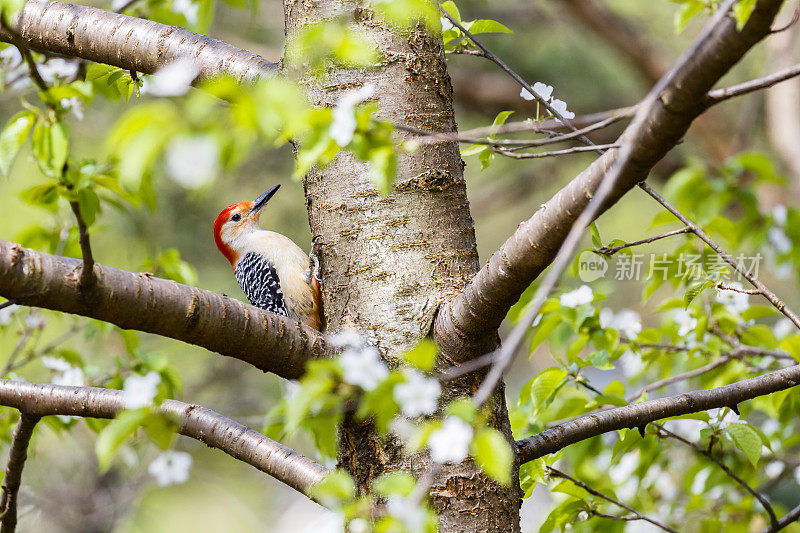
(405,388)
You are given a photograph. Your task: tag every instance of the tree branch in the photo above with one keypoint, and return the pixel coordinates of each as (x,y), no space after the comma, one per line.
(209,427)
(475,314)
(713,458)
(87,267)
(641,414)
(762,289)
(142,302)
(128,42)
(788,518)
(13,476)
(590,490)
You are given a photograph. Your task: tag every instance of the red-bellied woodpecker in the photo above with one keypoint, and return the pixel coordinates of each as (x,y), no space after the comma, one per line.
(274,273)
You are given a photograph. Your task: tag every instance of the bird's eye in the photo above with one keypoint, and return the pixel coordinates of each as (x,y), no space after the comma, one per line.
(236,217)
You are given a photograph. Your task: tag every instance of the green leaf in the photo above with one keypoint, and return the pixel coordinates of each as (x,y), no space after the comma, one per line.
(423,355)
(116,433)
(758,311)
(336,488)
(742,11)
(597,241)
(89,204)
(13,137)
(493,454)
(488,26)
(394,483)
(546,384)
(451,8)
(791,345)
(746,439)
(686,13)
(694,290)
(407,13)
(161,429)
(530,474)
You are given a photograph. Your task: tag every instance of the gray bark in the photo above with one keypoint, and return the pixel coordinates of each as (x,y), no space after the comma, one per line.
(210,428)
(105,37)
(139,301)
(390,262)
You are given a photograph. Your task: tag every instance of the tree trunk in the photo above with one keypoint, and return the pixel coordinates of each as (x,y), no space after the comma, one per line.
(389,262)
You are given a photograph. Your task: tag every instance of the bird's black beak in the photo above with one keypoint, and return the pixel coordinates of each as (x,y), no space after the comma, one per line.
(262,200)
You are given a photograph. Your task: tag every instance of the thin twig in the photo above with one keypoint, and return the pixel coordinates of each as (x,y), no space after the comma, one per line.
(724,287)
(728,258)
(614,249)
(466,52)
(788,518)
(13,476)
(791,23)
(573,150)
(590,490)
(87,268)
(519,79)
(720,95)
(708,454)
(19,42)
(479,135)
(7,303)
(678,377)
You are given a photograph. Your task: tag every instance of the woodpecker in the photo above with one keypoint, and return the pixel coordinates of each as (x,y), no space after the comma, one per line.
(274,273)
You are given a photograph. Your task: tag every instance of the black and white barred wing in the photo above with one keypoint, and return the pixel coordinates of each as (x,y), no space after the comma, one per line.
(260,283)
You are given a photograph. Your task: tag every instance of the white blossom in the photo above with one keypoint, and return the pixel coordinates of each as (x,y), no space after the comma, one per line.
(363,367)
(773,469)
(193,162)
(403,428)
(408,512)
(771,426)
(729,418)
(779,240)
(116,5)
(57,68)
(418,395)
(450,443)
(347,338)
(624,469)
(783,328)
(6,313)
(55,363)
(73,104)
(627,321)
(173,79)
(358,525)
(66,373)
(699,482)
(171,468)
(187,8)
(71,377)
(735,302)
(779,214)
(344,121)
(685,321)
(544,91)
(446,24)
(10,57)
(797,475)
(34,320)
(629,363)
(139,391)
(583,516)
(581,295)
(561,107)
